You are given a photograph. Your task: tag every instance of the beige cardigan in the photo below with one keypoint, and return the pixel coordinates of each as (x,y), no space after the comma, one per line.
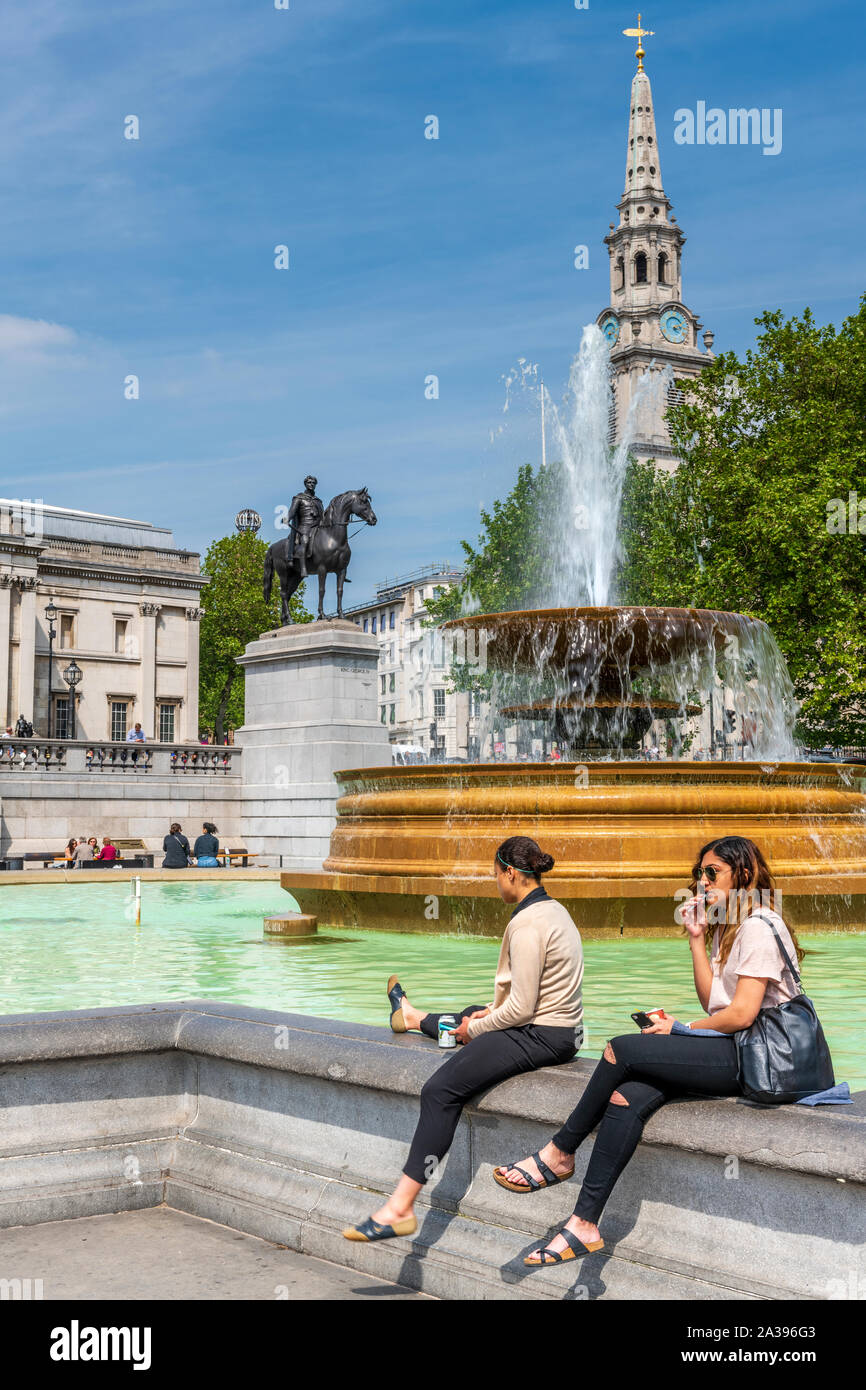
(540,972)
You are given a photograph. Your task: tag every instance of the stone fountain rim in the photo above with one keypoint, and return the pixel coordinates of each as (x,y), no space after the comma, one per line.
(597,612)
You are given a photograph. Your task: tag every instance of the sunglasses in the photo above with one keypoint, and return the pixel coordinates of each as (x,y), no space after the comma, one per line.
(711,872)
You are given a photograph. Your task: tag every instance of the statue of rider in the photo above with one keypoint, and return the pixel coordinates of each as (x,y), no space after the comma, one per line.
(305,517)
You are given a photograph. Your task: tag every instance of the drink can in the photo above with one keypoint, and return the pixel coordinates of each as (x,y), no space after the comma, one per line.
(446,1038)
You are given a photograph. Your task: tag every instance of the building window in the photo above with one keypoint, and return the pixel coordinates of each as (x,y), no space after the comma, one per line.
(663,268)
(391,685)
(620,274)
(120,628)
(119,714)
(373,628)
(62,722)
(166,723)
(438,704)
(640,271)
(611,416)
(393,708)
(366,624)
(391,620)
(67,630)
(382,679)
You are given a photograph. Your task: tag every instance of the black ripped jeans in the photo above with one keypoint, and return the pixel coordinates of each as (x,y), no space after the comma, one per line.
(650,1068)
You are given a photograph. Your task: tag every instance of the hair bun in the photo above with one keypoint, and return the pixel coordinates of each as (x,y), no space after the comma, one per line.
(544,863)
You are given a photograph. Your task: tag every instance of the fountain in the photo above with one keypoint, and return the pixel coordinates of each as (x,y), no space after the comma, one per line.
(413,846)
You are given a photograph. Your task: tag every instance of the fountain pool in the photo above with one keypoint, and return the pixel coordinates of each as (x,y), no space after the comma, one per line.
(71,947)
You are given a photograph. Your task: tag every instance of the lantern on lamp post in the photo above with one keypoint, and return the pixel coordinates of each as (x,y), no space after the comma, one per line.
(72,675)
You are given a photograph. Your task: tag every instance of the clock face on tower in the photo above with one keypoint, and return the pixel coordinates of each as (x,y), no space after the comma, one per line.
(674,326)
(610,328)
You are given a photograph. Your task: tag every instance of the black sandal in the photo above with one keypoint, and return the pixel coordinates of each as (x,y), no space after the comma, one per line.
(559,1257)
(396,995)
(550,1178)
(372,1230)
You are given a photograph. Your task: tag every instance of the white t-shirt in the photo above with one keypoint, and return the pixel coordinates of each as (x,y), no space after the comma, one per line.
(755,952)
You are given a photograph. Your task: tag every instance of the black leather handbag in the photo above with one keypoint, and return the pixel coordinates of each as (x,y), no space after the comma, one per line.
(784,1055)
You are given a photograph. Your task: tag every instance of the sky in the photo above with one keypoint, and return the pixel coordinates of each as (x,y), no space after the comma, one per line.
(408,257)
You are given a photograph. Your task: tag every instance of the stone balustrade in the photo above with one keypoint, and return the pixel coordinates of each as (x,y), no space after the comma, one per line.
(103,757)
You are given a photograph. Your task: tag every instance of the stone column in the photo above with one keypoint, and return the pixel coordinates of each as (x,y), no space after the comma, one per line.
(27,650)
(190,704)
(5,649)
(147,689)
(311,708)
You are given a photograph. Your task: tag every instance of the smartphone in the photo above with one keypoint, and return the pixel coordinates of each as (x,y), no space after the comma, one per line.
(643,1020)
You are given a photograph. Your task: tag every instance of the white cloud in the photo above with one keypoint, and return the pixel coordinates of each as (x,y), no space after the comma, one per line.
(32,335)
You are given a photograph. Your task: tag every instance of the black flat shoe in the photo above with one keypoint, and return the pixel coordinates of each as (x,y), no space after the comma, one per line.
(371,1230)
(396,995)
(576,1249)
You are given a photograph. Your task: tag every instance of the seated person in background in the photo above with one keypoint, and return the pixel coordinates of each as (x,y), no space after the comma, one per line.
(83,852)
(69,852)
(108,850)
(136,735)
(177,850)
(206,847)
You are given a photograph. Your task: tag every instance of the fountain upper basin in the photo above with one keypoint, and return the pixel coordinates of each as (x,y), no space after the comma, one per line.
(554,639)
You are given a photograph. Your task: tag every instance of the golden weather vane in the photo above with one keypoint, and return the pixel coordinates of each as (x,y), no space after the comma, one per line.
(639,33)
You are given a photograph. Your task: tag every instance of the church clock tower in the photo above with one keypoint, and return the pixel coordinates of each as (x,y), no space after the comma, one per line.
(646,323)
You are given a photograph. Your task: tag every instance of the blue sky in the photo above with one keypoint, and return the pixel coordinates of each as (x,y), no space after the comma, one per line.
(408,256)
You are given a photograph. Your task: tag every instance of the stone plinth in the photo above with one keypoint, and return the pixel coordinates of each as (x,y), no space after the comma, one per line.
(311,707)
(291,924)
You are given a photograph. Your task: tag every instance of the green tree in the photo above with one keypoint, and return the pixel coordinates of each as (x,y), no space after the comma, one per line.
(773,450)
(235,613)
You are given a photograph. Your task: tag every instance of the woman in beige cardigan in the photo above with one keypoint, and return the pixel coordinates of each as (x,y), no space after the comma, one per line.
(535,1021)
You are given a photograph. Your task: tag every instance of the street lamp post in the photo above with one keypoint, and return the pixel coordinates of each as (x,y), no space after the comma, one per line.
(72,675)
(51,616)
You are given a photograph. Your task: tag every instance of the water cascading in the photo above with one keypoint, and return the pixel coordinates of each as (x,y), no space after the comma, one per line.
(591,676)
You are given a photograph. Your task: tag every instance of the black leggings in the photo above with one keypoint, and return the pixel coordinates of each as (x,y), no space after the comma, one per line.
(480,1063)
(650,1068)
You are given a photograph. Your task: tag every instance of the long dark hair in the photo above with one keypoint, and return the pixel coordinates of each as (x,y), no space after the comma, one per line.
(209,826)
(752,882)
(523,854)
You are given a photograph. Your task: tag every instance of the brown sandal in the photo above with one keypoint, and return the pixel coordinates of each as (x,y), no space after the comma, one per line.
(559,1257)
(550,1178)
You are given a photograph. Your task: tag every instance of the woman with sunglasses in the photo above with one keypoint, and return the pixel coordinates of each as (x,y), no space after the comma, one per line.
(738,970)
(535,1020)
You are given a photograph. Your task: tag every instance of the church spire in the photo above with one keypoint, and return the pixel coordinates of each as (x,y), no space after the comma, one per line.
(646,322)
(642,171)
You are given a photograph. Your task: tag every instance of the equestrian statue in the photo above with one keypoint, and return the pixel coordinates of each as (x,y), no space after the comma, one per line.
(316,544)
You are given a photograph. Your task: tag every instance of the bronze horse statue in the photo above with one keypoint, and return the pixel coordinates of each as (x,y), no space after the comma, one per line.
(329,552)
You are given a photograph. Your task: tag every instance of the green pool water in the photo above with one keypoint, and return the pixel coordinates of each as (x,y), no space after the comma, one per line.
(69,946)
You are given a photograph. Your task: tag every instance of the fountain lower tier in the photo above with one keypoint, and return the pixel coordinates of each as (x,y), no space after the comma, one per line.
(413,847)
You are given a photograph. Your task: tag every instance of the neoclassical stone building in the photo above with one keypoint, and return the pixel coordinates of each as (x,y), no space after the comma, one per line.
(647,323)
(128,612)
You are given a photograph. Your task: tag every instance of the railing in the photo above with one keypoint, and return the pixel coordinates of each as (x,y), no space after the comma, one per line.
(106,758)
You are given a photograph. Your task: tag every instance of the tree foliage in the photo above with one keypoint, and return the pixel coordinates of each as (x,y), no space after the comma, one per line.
(235,613)
(746,522)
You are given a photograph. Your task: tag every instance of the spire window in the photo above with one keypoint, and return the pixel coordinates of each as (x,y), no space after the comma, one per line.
(640,270)
(663,269)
